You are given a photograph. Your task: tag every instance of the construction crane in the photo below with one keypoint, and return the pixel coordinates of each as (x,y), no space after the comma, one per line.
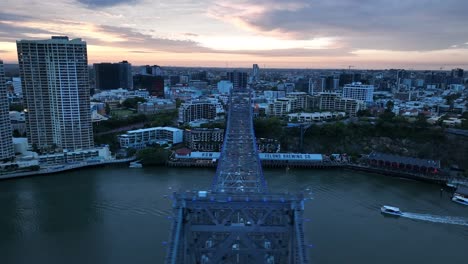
(350,66)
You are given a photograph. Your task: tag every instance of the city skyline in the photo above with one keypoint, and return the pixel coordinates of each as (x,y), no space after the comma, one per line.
(272,33)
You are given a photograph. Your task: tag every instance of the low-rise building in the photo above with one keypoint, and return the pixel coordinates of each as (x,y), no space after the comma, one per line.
(452,122)
(197,110)
(154,106)
(141,138)
(301,100)
(280,107)
(335,103)
(67,157)
(317,116)
(359,91)
(204,139)
(224,87)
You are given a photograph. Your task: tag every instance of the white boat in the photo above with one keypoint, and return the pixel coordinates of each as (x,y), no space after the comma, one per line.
(460,199)
(391,210)
(135,164)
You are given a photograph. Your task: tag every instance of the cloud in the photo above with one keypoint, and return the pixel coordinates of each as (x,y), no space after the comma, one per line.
(215,30)
(137,42)
(361,24)
(135,39)
(105,3)
(141,51)
(297,52)
(94,34)
(12,31)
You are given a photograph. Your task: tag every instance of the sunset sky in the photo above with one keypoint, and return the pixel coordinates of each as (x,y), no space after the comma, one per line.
(410,34)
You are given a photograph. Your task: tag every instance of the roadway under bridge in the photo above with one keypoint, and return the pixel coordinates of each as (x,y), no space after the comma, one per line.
(238,220)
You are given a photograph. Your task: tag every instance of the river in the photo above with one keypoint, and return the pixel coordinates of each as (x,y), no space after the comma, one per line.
(120,215)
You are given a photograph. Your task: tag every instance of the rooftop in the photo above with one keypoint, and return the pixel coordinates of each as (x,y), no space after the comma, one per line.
(405,160)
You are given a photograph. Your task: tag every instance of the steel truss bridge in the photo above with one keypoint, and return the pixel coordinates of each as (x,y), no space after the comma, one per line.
(238,220)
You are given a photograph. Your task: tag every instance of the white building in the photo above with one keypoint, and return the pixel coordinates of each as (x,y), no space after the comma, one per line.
(55,81)
(279,107)
(141,138)
(317,116)
(119,95)
(197,110)
(224,87)
(457,87)
(77,156)
(359,91)
(18,90)
(274,94)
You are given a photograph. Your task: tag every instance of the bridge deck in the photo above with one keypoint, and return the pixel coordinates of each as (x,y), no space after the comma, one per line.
(239,168)
(238,221)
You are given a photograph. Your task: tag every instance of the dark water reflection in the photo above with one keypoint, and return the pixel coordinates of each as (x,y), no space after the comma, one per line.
(120,215)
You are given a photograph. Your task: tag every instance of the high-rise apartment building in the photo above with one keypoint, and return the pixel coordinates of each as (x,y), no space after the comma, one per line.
(6,138)
(154,70)
(197,110)
(301,100)
(359,91)
(255,73)
(238,79)
(153,84)
(55,82)
(457,73)
(111,76)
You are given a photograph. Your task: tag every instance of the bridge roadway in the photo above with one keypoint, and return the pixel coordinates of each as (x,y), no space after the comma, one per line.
(238,220)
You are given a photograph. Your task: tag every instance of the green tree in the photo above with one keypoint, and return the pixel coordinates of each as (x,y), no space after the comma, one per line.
(387,116)
(108,109)
(131,152)
(153,156)
(464,124)
(363,113)
(133,102)
(16,133)
(449,99)
(421,120)
(179,102)
(16,107)
(389,106)
(268,127)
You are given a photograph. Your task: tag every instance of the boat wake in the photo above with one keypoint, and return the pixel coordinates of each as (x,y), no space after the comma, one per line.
(437,218)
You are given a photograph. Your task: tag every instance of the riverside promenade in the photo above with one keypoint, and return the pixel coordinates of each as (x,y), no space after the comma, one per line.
(63,167)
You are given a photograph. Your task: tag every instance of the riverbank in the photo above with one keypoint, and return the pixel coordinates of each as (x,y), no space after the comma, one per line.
(265,164)
(62,168)
(431,178)
(437,179)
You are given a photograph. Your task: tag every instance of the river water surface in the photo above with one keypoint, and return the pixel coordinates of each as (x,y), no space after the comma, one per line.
(121,215)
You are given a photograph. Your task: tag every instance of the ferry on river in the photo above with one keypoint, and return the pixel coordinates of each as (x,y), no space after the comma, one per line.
(390,210)
(135,164)
(460,199)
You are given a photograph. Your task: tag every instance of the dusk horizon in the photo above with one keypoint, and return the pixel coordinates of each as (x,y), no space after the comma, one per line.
(296,34)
